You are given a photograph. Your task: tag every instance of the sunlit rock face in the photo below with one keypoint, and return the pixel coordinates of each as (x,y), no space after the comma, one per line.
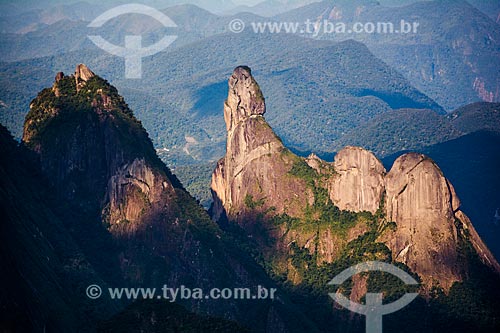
(256,163)
(422,203)
(425,207)
(259,179)
(359,185)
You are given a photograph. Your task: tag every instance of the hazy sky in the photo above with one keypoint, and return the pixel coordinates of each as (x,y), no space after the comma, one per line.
(34,2)
(212,5)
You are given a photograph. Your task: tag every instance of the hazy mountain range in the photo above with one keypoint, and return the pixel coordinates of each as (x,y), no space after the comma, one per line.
(267,7)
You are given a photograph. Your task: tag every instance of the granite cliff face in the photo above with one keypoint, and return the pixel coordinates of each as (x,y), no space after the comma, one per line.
(422,203)
(430,226)
(255,157)
(359,185)
(324,208)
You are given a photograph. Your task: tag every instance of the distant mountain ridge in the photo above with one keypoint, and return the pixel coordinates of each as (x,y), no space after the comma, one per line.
(471,42)
(412,129)
(431,59)
(337,96)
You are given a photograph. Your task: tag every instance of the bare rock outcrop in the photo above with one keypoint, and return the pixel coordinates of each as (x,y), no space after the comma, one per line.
(359,183)
(256,162)
(82,75)
(59,76)
(134,191)
(422,203)
(245,98)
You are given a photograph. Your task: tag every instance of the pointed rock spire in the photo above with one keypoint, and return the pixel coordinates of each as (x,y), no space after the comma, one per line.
(59,76)
(245,99)
(82,75)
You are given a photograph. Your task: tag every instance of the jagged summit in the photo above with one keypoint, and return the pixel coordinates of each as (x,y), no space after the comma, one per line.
(67,99)
(83,72)
(280,198)
(82,75)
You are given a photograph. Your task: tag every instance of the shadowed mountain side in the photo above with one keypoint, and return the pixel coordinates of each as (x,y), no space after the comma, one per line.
(98,157)
(44,270)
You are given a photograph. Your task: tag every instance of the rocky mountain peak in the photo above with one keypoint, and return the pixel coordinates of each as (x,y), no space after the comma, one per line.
(82,72)
(66,122)
(66,98)
(245,99)
(254,153)
(423,204)
(82,75)
(412,210)
(59,76)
